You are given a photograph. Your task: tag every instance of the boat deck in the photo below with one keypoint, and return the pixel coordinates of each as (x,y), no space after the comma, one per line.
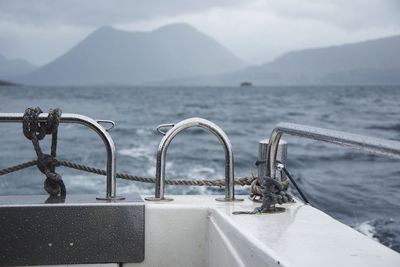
(199,231)
(300,236)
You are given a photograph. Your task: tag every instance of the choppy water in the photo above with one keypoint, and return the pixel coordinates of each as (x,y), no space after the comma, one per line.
(357,189)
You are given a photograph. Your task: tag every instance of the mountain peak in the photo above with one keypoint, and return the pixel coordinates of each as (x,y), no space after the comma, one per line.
(104,30)
(167,29)
(111,56)
(181,27)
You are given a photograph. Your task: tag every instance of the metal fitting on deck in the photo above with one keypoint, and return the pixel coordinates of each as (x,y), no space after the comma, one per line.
(369,144)
(169,136)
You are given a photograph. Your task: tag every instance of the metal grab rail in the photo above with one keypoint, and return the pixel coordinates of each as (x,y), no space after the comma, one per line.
(92,124)
(369,144)
(169,136)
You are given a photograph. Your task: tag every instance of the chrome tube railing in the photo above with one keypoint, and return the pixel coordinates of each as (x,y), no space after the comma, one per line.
(369,144)
(169,136)
(92,124)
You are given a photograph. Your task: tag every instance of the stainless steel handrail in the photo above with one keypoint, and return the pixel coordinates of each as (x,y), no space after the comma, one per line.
(369,144)
(169,136)
(92,124)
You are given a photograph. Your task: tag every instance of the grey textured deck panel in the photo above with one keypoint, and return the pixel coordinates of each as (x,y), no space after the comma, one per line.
(79,230)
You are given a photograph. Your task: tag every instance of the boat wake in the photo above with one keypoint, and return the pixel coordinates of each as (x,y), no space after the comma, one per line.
(383,231)
(367,229)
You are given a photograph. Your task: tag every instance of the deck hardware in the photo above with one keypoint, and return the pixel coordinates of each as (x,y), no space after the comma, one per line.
(369,144)
(107,122)
(257,191)
(282,169)
(169,136)
(166,125)
(92,124)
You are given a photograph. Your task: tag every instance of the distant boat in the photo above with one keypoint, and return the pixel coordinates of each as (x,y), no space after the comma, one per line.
(246,84)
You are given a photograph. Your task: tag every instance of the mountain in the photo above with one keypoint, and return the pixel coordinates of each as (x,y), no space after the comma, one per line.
(6,83)
(14,67)
(364,63)
(110,56)
(369,62)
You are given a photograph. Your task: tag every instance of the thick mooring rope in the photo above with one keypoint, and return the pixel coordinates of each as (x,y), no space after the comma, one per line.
(18,167)
(242,181)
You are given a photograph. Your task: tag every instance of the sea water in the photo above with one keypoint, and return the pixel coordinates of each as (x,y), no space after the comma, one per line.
(358,189)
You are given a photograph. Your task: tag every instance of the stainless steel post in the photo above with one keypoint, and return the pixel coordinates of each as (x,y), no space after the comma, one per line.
(169,136)
(262,157)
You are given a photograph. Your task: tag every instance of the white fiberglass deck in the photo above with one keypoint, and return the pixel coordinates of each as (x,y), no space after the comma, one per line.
(199,231)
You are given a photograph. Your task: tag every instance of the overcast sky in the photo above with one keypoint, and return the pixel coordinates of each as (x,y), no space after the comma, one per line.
(255,30)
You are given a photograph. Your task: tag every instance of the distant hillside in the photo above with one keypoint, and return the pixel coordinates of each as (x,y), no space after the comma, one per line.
(363,63)
(6,83)
(14,67)
(109,56)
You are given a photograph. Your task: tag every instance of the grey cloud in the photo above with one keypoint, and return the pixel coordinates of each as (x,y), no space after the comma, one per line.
(349,15)
(256,30)
(100,12)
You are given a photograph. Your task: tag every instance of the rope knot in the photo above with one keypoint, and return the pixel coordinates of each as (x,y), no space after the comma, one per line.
(47,163)
(274,192)
(31,126)
(54,185)
(35,131)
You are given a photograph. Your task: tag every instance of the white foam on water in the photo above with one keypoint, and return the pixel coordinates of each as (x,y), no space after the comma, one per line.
(138,152)
(199,171)
(200,190)
(97,184)
(367,229)
(151,171)
(85,182)
(132,187)
(143,131)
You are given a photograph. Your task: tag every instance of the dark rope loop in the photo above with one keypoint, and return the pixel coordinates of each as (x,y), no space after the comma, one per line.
(31,126)
(54,185)
(53,120)
(35,131)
